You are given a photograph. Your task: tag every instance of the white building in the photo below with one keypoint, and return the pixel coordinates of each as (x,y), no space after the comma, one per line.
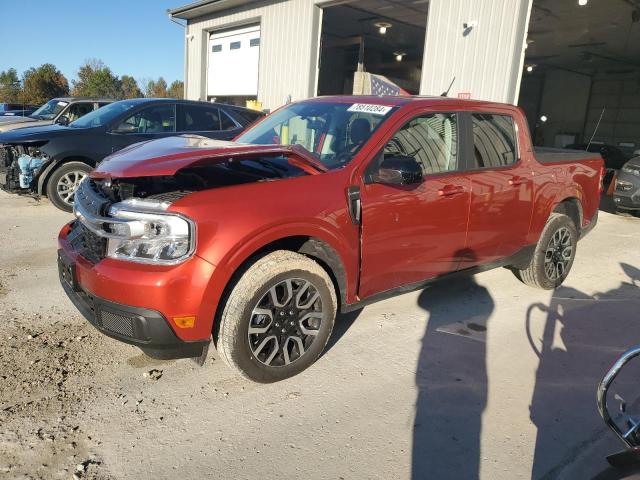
(563,60)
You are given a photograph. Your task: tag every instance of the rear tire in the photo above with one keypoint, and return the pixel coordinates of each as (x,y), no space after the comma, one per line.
(278,317)
(64,181)
(553,256)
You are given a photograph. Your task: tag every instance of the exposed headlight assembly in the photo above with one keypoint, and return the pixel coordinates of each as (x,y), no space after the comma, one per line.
(142,231)
(139,230)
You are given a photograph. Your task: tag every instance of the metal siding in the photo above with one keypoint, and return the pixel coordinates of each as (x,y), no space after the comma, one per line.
(288,45)
(488,61)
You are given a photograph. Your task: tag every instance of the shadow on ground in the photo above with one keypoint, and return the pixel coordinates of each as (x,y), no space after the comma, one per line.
(576,338)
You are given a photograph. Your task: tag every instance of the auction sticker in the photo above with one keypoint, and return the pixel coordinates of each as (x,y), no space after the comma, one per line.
(369,108)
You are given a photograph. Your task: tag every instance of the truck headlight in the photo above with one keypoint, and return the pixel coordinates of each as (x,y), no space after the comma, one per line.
(148,234)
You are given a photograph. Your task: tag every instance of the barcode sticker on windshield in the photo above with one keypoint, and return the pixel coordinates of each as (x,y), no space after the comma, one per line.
(369,108)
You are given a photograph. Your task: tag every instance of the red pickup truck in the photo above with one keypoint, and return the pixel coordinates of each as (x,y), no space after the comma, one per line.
(324,206)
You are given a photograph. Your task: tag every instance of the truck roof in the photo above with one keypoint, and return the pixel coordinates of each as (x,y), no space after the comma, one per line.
(396,100)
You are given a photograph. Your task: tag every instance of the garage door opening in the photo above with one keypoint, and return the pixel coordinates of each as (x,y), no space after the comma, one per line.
(384,39)
(581,69)
(232,70)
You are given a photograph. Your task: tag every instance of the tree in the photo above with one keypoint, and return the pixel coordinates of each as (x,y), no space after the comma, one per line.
(41,84)
(129,87)
(156,89)
(9,86)
(95,79)
(176,89)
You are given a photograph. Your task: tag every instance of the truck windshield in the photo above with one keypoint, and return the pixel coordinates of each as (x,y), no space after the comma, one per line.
(49,110)
(332,132)
(103,115)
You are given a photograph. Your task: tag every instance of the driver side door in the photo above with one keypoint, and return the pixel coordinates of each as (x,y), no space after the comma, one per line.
(149,123)
(411,233)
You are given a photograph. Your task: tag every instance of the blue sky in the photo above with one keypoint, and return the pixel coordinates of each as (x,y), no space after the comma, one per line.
(132,37)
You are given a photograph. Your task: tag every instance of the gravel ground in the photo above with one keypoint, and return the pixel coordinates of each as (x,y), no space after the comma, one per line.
(476,378)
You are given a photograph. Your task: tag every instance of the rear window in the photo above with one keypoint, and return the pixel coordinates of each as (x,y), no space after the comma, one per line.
(197,118)
(494,140)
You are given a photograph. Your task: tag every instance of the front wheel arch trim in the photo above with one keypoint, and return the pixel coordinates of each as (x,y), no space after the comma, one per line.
(43,178)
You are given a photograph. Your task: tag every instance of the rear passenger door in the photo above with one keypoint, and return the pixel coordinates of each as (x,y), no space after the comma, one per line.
(501,189)
(212,122)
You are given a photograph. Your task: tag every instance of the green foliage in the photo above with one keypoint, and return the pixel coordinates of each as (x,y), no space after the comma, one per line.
(9,86)
(41,84)
(129,87)
(95,79)
(156,88)
(176,89)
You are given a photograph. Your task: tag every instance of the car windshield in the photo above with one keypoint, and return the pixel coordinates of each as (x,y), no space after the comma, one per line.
(49,110)
(332,132)
(103,115)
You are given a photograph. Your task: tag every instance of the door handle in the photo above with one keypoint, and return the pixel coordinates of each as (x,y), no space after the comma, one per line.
(515,181)
(450,190)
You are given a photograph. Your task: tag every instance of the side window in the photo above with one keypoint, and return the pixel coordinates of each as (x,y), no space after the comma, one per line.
(431,139)
(157,119)
(78,110)
(198,119)
(494,140)
(225,122)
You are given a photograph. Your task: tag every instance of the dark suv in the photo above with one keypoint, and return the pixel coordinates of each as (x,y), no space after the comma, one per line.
(56,158)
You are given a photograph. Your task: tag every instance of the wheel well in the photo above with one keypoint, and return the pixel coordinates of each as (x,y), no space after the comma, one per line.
(43,185)
(572,208)
(314,248)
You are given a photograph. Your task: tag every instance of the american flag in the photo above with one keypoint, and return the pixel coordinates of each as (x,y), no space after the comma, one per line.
(383,86)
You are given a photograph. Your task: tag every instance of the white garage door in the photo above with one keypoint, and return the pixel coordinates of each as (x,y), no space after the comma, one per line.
(233,62)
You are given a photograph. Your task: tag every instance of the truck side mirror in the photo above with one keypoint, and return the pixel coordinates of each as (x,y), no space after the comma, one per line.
(63,120)
(398,170)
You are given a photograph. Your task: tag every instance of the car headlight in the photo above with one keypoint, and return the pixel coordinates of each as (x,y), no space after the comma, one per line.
(623,186)
(144,232)
(632,169)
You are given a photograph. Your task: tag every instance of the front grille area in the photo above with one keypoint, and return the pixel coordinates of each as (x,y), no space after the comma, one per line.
(84,241)
(88,244)
(117,323)
(91,199)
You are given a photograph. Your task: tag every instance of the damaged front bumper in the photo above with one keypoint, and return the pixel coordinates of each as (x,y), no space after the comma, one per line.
(145,328)
(19,168)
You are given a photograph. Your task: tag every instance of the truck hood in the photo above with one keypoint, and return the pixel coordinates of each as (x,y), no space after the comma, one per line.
(35,134)
(164,157)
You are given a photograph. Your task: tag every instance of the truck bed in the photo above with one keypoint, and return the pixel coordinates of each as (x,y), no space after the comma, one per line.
(546,155)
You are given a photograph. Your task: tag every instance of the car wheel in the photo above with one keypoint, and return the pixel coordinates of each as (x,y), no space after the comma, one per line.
(63,183)
(278,317)
(553,256)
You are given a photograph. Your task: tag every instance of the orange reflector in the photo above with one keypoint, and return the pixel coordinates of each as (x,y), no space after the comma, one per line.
(184,322)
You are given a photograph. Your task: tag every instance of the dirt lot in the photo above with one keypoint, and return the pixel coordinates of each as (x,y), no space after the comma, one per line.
(478,378)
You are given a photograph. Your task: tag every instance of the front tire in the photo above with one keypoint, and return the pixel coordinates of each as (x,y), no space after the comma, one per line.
(278,317)
(553,256)
(63,183)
